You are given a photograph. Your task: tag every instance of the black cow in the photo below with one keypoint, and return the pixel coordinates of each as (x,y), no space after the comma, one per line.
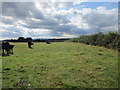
(29,44)
(48,42)
(7,48)
(11,49)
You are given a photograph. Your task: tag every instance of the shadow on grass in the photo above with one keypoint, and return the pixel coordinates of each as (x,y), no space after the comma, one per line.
(4,55)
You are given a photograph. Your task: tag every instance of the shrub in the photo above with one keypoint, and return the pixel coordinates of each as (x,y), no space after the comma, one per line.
(109,40)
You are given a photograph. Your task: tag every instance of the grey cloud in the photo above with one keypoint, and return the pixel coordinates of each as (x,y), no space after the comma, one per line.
(21,10)
(7,21)
(62,19)
(14,9)
(100,20)
(56,4)
(47,23)
(12,29)
(10,35)
(72,30)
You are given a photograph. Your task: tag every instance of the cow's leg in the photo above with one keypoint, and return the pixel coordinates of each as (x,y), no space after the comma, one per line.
(11,51)
(3,53)
(29,46)
(8,51)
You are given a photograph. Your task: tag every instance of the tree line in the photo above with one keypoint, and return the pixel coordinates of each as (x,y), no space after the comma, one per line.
(109,40)
(22,39)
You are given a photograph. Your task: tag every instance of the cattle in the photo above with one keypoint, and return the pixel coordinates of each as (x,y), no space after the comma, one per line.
(11,49)
(7,48)
(29,44)
(48,42)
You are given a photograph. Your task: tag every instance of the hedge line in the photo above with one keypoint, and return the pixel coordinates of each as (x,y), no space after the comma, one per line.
(110,40)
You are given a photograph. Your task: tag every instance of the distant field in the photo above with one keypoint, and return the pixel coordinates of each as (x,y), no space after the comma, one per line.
(60,65)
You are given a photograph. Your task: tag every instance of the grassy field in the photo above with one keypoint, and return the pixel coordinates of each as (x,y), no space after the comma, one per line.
(60,65)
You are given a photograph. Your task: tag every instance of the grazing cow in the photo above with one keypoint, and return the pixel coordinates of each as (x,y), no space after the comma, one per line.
(47,42)
(11,49)
(6,47)
(29,44)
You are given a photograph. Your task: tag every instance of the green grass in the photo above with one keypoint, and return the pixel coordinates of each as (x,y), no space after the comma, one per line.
(60,65)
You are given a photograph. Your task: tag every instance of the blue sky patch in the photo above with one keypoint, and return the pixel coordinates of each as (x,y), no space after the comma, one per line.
(94,5)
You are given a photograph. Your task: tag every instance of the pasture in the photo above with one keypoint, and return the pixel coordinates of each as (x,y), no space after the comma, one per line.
(60,65)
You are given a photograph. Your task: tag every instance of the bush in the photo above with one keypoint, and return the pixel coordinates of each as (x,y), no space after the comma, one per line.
(109,40)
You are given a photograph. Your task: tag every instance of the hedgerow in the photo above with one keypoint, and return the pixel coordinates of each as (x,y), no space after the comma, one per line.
(110,40)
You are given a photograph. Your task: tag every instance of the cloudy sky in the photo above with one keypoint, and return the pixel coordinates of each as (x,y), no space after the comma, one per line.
(57,19)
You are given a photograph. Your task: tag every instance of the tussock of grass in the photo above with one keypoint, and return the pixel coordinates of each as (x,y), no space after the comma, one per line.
(67,65)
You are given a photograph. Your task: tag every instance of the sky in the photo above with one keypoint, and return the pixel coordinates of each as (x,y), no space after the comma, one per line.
(57,19)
